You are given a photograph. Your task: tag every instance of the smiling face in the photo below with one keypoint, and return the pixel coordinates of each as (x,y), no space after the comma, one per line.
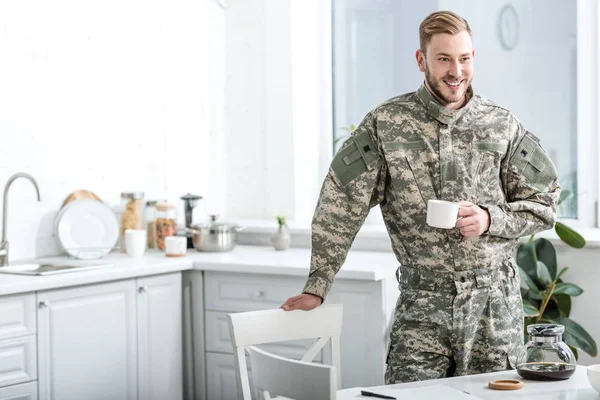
(448,67)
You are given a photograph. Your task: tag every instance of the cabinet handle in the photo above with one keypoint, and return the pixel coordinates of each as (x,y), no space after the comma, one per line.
(142,289)
(43,304)
(259,293)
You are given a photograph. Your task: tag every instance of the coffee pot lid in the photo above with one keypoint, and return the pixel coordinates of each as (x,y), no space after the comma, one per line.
(545,330)
(190,196)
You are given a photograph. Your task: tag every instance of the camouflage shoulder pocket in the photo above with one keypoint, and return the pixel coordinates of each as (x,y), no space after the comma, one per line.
(357,156)
(533,162)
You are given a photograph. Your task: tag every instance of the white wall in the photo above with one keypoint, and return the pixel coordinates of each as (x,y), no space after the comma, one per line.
(276,124)
(108,96)
(584,271)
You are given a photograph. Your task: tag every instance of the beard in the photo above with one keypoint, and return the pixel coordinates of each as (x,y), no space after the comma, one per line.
(436,88)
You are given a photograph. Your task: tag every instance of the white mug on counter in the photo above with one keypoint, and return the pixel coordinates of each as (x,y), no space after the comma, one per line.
(175,246)
(442,214)
(135,242)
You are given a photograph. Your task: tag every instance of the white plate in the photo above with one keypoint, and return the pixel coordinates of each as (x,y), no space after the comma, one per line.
(87,226)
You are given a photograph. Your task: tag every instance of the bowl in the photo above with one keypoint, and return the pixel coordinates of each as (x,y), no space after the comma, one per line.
(593,374)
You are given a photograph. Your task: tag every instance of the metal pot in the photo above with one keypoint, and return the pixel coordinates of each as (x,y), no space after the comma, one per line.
(214,236)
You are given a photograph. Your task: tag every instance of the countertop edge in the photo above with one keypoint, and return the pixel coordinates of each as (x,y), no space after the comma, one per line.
(252,260)
(72,279)
(285,270)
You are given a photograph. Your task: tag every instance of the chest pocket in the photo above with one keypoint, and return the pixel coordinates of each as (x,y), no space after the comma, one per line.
(357,156)
(405,159)
(533,162)
(488,156)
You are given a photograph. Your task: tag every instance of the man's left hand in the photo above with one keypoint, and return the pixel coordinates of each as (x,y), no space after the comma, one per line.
(475,220)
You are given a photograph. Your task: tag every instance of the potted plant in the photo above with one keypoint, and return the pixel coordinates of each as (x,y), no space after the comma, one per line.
(546,297)
(341,139)
(281,239)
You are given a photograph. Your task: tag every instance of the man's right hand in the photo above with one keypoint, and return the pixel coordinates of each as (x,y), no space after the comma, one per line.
(303,301)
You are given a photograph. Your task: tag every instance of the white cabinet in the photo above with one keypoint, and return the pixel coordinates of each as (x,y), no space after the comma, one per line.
(17,315)
(194,364)
(17,360)
(87,342)
(119,340)
(18,355)
(25,391)
(220,373)
(159,338)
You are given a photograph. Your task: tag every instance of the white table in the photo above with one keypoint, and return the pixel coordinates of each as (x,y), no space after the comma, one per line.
(576,387)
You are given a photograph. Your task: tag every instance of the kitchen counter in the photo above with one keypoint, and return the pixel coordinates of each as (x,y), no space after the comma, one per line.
(359,265)
(121,267)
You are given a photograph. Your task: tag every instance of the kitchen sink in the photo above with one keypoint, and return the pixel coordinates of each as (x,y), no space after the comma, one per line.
(49,269)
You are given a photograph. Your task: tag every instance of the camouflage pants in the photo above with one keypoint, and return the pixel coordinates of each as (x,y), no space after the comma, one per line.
(452,324)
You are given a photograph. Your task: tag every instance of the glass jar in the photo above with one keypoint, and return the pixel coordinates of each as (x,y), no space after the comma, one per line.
(166,223)
(132,205)
(150,222)
(546,356)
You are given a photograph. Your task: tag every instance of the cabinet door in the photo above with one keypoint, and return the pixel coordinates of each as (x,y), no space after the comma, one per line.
(26,391)
(17,315)
(220,377)
(87,342)
(193,335)
(363,343)
(159,337)
(17,360)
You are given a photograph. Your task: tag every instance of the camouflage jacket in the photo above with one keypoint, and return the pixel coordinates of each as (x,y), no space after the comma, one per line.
(411,149)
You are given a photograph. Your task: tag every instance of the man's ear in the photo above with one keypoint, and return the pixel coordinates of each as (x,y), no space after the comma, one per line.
(420,60)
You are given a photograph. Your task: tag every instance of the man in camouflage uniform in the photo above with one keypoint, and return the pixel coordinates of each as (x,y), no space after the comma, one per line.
(459,311)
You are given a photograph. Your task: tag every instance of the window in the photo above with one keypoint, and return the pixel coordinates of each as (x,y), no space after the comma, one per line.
(536,58)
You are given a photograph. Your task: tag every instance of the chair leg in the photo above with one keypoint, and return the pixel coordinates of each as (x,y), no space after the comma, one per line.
(335,359)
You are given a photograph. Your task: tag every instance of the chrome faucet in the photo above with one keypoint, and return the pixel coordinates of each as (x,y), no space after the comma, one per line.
(4,243)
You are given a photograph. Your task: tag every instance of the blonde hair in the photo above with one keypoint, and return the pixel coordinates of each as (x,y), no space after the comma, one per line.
(441,22)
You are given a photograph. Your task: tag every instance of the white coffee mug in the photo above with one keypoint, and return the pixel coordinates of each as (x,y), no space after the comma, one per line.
(175,246)
(442,214)
(135,242)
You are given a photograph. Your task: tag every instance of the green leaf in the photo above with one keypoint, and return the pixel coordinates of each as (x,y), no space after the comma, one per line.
(568,289)
(565,195)
(342,138)
(529,309)
(569,236)
(576,336)
(563,303)
(550,313)
(524,291)
(526,259)
(575,352)
(562,271)
(543,274)
(547,254)
(534,292)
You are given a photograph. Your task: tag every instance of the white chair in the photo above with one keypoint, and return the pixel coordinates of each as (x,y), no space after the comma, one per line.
(246,329)
(275,376)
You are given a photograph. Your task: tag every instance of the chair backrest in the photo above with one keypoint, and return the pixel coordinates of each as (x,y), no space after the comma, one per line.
(274,376)
(246,329)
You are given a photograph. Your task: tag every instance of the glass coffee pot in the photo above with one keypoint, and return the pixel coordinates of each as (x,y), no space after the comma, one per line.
(546,356)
